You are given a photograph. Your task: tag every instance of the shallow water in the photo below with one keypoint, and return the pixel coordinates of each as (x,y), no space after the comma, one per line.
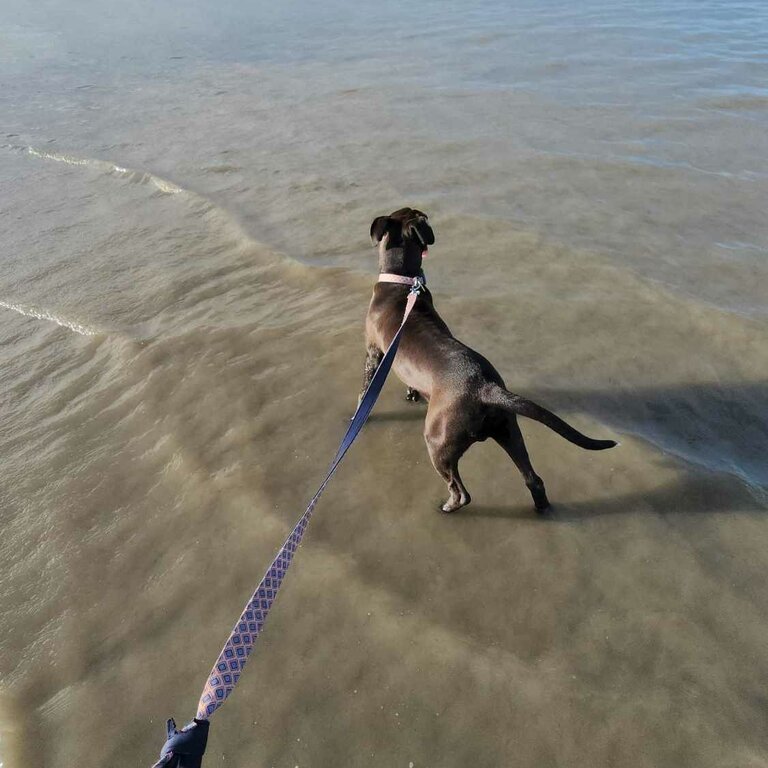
(185,194)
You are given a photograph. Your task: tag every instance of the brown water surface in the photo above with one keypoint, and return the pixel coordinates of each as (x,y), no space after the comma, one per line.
(184,205)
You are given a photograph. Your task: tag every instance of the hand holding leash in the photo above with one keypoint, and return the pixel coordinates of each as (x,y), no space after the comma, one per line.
(184,748)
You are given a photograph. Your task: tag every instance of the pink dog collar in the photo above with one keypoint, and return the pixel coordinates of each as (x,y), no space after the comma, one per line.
(388,277)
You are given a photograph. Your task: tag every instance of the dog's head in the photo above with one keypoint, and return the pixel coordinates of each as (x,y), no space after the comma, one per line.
(403,238)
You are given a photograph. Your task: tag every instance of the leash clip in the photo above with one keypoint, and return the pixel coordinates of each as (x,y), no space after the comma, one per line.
(418,285)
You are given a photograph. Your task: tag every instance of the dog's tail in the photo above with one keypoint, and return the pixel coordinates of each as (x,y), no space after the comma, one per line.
(519,405)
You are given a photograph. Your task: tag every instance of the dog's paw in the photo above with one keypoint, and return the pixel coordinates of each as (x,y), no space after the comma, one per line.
(451,505)
(412,396)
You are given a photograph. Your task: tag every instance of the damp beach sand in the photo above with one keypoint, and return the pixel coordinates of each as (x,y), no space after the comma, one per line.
(185,194)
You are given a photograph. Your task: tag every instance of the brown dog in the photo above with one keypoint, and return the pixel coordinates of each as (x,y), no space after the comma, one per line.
(468,401)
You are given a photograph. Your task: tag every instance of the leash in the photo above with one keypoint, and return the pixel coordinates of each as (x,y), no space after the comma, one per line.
(185,748)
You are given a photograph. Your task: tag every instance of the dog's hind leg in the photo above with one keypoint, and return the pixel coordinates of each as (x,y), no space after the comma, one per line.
(445,450)
(446,462)
(509,437)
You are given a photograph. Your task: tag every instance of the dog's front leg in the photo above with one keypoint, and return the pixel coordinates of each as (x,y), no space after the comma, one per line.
(372,359)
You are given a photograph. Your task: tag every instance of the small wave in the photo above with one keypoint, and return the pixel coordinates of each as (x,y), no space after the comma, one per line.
(145,177)
(59,158)
(43,314)
(165,186)
(202,205)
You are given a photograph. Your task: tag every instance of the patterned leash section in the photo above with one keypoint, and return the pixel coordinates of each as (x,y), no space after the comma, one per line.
(233,657)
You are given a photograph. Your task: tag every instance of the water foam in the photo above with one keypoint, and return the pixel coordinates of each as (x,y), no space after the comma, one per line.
(165,186)
(44,314)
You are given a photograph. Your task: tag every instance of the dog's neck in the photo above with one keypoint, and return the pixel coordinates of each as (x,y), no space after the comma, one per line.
(396,261)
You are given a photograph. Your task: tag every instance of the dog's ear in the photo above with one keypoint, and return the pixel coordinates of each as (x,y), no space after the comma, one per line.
(379,227)
(422,231)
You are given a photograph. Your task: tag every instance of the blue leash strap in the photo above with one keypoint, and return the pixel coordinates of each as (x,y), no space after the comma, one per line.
(229,666)
(236,651)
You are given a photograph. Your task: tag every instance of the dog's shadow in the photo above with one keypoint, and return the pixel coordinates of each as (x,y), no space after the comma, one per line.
(719,426)
(410,414)
(694,494)
(712,426)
